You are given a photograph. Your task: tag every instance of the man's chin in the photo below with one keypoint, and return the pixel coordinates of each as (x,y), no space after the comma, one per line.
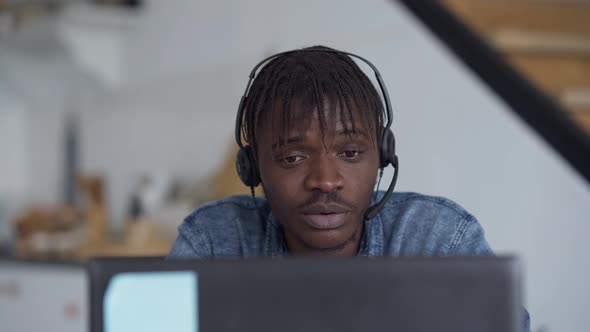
(328,241)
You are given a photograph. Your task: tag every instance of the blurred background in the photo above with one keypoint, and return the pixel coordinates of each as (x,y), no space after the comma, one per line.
(116,121)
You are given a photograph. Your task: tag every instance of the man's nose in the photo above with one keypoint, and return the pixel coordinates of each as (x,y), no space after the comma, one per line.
(324,174)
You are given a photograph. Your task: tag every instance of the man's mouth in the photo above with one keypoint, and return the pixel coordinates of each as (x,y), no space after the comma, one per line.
(325,217)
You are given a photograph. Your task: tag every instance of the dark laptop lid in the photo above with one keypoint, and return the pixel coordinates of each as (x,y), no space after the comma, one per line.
(385,294)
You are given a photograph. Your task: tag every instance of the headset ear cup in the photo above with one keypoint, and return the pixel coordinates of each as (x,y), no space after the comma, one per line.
(387,152)
(247,170)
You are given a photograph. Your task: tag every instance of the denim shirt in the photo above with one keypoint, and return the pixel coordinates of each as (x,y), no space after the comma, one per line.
(410,224)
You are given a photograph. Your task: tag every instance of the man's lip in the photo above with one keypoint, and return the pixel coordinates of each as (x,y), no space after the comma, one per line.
(325,216)
(324,209)
(325,221)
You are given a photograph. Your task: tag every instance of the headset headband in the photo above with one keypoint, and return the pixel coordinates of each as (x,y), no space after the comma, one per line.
(384,93)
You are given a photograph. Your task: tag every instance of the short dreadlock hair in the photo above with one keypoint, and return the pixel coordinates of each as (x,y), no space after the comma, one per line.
(309,77)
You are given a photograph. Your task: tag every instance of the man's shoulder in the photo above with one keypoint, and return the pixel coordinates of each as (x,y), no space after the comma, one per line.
(226,215)
(428,225)
(232,204)
(405,202)
(224,211)
(232,226)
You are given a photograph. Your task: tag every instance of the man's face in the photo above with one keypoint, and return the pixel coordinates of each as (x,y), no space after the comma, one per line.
(318,188)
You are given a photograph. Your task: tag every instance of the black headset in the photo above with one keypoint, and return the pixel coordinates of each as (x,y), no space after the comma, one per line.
(245,161)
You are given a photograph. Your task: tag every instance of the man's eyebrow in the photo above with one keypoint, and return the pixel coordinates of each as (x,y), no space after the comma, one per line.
(290,140)
(351,132)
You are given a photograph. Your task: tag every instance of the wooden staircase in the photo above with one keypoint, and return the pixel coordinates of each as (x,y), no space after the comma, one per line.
(546,40)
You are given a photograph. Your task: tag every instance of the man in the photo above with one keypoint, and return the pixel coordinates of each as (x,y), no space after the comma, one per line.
(313,125)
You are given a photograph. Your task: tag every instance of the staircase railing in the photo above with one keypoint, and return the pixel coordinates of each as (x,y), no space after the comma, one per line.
(535,108)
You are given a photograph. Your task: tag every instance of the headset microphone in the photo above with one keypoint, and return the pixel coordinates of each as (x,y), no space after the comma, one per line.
(374,209)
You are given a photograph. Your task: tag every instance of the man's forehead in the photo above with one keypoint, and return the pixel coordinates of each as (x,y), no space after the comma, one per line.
(328,126)
(294,137)
(299,115)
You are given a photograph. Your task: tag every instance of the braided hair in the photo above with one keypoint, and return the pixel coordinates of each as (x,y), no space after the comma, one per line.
(311,79)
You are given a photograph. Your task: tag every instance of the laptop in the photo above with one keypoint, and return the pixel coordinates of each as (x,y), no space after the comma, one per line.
(306,294)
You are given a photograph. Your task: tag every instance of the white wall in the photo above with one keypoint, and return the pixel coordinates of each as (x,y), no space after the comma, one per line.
(187,64)
(14,148)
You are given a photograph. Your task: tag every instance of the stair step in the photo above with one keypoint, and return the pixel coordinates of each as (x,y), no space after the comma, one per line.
(576,99)
(549,43)
(553,74)
(540,16)
(582,118)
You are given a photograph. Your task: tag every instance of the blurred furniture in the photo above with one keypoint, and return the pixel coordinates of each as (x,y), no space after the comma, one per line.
(81,232)
(45,296)
(46,232)
(95,210)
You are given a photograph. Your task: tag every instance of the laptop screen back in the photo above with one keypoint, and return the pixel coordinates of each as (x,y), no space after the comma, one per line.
(413,294)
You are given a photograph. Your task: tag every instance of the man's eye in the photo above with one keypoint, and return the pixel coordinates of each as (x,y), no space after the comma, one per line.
(350,154)
(292,159)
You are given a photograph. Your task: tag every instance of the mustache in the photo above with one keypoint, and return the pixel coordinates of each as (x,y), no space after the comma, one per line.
(319,197)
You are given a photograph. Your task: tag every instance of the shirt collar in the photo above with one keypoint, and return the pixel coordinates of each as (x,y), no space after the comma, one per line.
(372,241)
(274,243)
